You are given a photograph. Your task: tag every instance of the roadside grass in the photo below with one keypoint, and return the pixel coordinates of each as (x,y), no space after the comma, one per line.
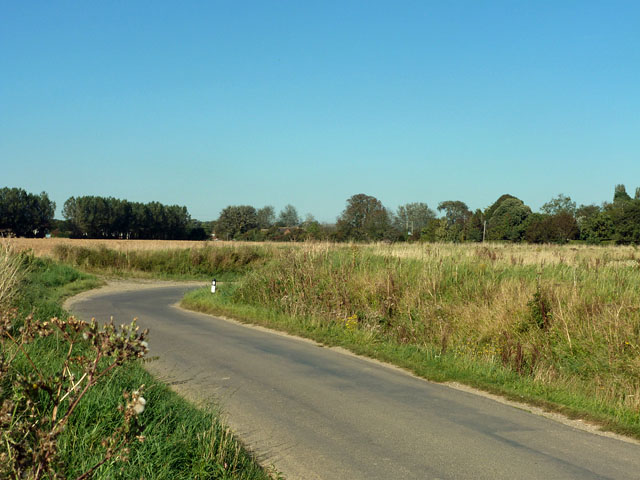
(225,262)
(180,440)
(555,328)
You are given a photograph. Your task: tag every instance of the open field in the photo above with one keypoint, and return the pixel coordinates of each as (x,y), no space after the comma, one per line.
(514,254)
(46,246)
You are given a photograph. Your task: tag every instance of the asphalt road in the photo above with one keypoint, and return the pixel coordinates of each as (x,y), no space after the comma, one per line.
(317,413)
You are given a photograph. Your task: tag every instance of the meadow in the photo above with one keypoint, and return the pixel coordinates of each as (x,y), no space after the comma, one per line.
(556,326)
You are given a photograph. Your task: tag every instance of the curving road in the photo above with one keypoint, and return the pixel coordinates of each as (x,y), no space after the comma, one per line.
(318,413)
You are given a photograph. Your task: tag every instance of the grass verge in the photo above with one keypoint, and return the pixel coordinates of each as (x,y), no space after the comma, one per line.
(226,262)
(561,336)
(554,326)
(180,441)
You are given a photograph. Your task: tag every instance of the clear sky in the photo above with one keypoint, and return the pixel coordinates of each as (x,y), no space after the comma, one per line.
(215,103)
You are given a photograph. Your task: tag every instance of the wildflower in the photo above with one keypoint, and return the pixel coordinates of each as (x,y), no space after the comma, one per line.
(139,404)
(85,335)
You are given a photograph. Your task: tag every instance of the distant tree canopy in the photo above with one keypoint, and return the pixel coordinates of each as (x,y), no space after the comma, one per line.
(508,220)
(560,204)
(488,213)
(456,216)
(288,217)
(266,216)
(413,217)
(25,214)
(235,221)
(620,194)
(364,219)
(108,217)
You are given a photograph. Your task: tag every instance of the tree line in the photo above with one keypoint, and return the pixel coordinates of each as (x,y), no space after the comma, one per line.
(25,214)
(364,219)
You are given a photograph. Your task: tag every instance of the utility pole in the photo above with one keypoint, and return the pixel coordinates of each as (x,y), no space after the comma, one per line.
(484,230)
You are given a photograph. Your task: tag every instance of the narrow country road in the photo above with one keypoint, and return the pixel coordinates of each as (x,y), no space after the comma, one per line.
(317,413)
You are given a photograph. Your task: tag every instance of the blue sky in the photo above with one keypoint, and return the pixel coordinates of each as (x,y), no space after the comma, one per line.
(209,104)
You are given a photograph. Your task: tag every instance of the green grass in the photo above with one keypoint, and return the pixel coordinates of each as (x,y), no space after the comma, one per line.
(553,326)
(181,441)
(558,335)
(225,263)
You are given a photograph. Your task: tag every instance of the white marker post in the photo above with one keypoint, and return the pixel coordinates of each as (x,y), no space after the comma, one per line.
(213,286)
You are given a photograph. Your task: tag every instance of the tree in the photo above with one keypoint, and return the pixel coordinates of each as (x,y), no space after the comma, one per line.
(597,228)
(545,228)
(507,221)
(235,221)
(25,214)
(413,217)
(626,222)
(474,227)
(456,215)
(266,216)
(288,217)
(44,210)
(364,218)
(108,217)
(559,204)
(620,194)
(197,230)
(488,213)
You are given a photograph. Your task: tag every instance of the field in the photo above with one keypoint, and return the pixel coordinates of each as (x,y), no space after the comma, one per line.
(514,254)
(557,326)
(46,246)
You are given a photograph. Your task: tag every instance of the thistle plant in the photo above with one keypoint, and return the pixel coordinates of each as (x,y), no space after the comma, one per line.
(37,401)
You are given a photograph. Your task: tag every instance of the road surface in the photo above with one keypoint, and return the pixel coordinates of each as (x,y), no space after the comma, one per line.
(318,413)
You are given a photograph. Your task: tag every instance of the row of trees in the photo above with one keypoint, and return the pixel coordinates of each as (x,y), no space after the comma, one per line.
(108,217)
(365,218)
(25,214)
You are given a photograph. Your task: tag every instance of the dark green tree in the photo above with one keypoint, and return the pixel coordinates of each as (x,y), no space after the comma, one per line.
(474,227)
(364,219)
(456,215)
(25,214)
(235,221)
(626,222)
(620,194)
(508,221)
(488,213)
(108,217)
(545,228)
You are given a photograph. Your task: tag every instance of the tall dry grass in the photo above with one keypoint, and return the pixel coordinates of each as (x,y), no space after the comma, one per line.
(560,315)
(11,273)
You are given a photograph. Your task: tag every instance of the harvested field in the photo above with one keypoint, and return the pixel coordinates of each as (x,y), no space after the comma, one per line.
(590,256)
(45,246)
